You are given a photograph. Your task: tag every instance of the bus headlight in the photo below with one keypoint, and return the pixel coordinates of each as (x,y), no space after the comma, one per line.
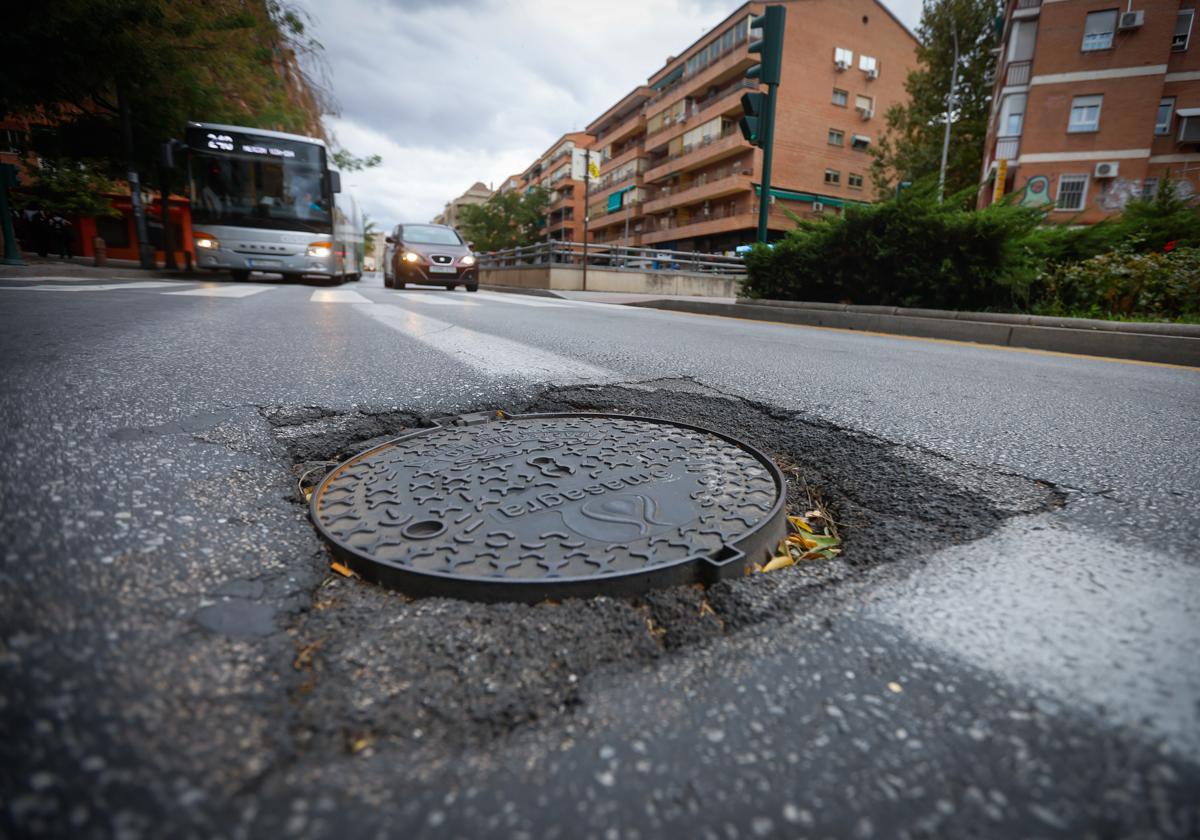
(205,240)
(409,256)
(467,260)
(320,249)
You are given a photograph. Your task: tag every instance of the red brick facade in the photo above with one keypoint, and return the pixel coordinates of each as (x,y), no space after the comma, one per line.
(1093,104)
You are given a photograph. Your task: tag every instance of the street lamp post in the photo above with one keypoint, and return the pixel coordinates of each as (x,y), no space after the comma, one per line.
(949,113)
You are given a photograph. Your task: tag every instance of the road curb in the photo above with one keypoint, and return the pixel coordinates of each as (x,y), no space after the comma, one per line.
(1176,344)
(517,290)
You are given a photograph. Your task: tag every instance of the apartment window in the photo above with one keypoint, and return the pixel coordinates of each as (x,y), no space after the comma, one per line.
(1012,115)
(843,57)
(1166,110)
(1099,29)
(1183,29)
(1085,114)
(1149,188)
(1072,191)
(864,103)
(859,142)
(840,97)
(12,140)
(868,64)
(854,181)
(1021,40)
(836,138)
(833,176)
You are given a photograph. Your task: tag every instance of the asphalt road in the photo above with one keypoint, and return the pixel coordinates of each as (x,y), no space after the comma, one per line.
(1008,647)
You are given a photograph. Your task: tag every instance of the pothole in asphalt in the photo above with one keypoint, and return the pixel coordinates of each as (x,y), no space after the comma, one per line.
(375,666)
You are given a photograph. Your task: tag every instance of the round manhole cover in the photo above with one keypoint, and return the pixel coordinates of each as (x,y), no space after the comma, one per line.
(552,506)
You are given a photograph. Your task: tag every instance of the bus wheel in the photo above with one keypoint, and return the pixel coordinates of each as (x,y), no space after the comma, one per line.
(240,276)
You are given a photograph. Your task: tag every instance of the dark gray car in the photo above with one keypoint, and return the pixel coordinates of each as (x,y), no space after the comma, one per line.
(432,255)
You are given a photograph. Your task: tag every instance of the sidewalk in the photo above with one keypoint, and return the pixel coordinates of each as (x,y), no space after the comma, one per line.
(605,297)
(83,267)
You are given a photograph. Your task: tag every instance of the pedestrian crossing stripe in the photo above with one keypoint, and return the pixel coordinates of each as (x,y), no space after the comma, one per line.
(337,296)
(239,291)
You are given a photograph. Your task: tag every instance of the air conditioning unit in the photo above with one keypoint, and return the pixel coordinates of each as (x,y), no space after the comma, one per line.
(841,64)
(866,113)
(1107,169)
(873,73)
(1131,20)
(818,207)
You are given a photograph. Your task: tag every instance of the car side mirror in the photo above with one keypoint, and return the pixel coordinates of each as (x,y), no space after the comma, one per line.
(471,246)
(335,182)
(391,240)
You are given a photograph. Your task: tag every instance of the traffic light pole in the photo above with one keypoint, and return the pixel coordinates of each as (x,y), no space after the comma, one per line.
(764,199)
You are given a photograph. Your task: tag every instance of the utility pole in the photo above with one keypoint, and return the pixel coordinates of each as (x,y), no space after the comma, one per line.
(145,250)
(587,183)
(758,109)
(949,112)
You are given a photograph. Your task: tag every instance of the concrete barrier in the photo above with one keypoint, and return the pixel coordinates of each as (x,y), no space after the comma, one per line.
(569,278)
(1177,344)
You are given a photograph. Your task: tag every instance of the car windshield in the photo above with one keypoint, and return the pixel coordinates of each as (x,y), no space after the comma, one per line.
(430,235)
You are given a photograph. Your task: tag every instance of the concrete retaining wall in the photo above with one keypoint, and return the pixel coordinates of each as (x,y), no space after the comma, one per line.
(570,279)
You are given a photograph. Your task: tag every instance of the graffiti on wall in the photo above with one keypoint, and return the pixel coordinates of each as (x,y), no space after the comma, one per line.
(1036,192)
(1113,197)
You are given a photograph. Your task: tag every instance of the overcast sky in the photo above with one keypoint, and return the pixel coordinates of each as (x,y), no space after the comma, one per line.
(450,92)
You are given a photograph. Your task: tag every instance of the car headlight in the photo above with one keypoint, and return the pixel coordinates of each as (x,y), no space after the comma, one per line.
(320,249)
(409,256)
(205,240)
(467,260)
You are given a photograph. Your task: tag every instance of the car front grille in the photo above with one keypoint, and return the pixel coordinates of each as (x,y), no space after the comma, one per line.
(441,259)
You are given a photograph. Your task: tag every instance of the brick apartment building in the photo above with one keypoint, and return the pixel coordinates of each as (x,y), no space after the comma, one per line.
(675,171)
(560,171)
(1095,101)
(476,194)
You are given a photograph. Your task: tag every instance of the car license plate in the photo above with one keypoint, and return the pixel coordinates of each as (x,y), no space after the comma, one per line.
(263,263)
(442,269)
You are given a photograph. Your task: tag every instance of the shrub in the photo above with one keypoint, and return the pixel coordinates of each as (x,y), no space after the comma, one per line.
(1153,284)
(911,252)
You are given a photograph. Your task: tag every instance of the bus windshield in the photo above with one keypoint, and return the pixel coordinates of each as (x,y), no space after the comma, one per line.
(259,182)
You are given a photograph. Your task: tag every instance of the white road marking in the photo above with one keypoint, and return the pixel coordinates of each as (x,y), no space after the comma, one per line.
(224,291)
(524,300)
(487,354)
(444,299)
(337,296)
(99,287)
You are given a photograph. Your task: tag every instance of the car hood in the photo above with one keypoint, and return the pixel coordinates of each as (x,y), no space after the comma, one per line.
(426,250)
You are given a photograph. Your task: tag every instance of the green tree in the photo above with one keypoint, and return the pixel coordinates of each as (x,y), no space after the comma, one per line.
(911,146)
(69,187)
(506,220)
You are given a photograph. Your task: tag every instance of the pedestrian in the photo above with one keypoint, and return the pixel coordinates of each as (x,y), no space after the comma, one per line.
(41,233)
(62,235)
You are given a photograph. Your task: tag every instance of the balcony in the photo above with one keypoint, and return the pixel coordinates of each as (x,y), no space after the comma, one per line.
(1022,5)
(626,155)
(728,142)
(1017,73)
(725,100)
(1008,148)
(659,230)
(729,184)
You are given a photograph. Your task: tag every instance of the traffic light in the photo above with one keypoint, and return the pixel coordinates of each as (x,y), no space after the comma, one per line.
(753,107)
(770,47)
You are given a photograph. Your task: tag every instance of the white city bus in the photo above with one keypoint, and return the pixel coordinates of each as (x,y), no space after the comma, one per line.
(268,201)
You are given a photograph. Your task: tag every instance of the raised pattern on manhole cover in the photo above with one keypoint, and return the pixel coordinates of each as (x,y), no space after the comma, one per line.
(550,506)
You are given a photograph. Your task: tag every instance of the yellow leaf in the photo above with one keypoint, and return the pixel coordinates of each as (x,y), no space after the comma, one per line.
(706,608)
(799,522)
(814,514)
(780,562)
(802,541)
(308,494)
(359,744)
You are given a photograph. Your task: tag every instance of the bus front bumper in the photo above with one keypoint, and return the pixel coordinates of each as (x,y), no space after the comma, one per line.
(221,259)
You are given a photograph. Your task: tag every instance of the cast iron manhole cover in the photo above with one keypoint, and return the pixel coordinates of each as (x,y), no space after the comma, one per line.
(552,506)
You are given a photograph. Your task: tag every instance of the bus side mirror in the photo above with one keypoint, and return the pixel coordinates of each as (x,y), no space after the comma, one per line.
(335,182)
(389,240)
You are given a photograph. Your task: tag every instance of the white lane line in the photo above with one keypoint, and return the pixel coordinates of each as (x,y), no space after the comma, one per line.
(487,354)
(224,291)
(337,296)
(524,300)
(446,299)
(98,287)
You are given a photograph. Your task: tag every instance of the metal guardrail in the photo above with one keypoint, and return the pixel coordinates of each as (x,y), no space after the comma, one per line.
(612,257)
